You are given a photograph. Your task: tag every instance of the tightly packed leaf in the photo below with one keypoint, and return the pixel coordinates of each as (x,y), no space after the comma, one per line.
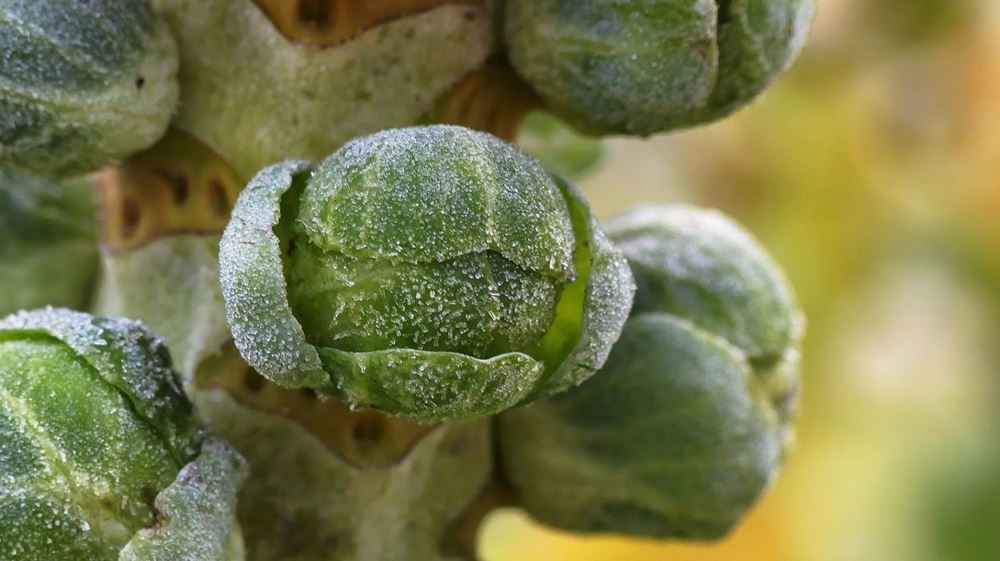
(647,66)
(100,457)
(82,83)
(685,426)
(48,243)
(430,272)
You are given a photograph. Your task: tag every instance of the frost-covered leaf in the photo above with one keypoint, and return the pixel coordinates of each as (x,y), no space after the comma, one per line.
(125,355)
(591,311)
(196,514)
(254,287)
(432,386)
(700,265)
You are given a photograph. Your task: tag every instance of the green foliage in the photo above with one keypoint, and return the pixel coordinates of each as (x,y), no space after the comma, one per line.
(684,427)
(82,83)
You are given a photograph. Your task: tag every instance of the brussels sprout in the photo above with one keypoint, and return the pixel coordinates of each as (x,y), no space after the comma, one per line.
(48,243)
(685,426)
(82,83)
(431,272)
(646,66)
(100,457)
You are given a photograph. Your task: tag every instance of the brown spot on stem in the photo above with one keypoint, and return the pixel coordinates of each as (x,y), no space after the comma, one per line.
(130,217)
(368,430)
(218,197)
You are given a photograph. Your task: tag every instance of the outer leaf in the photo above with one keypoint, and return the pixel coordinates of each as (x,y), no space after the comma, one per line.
(673,438)
(432,386)
(253,284)
(598,302)
(758,40)
(82,83)
(197,513)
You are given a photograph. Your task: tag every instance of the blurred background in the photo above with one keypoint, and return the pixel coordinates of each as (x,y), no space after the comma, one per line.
(872,172)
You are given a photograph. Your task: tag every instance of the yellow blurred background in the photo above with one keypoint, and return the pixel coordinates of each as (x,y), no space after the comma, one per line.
(872,172)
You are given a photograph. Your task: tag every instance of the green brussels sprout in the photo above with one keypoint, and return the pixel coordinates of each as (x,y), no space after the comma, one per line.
(48,243)
(686,425)
(430,272)
(646,66)
(100,456)
(82,83)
